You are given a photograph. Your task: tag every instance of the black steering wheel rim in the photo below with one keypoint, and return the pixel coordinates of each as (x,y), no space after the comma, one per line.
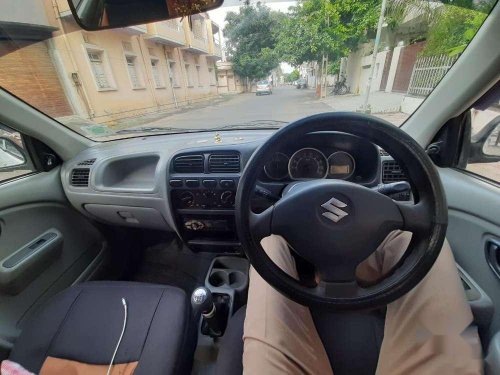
(428,217)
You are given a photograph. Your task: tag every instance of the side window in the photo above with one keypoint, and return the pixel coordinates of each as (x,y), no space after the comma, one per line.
(484,153)
(14,159)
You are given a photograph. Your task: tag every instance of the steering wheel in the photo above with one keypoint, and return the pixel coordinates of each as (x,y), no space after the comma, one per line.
(336,224)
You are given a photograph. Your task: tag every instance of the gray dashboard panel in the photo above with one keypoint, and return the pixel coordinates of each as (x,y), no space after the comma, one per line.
(150,157)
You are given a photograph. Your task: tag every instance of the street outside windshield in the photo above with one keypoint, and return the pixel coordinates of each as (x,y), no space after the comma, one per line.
(192,75)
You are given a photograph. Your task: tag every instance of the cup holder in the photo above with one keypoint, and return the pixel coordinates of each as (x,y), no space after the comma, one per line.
(228,273)
(232,279)
(236,279)
(218,278)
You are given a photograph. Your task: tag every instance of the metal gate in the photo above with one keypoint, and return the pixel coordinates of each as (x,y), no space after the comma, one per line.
(427,73)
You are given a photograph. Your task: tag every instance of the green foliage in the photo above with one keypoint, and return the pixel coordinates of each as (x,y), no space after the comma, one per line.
(315,28)
(251,37)
(452,30)
(292,76)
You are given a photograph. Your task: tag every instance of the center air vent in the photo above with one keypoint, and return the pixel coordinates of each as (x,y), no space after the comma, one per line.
(80,177)
(392,172)
(224,163)
(189,164)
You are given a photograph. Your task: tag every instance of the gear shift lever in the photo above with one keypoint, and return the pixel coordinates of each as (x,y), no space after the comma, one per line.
(202,302)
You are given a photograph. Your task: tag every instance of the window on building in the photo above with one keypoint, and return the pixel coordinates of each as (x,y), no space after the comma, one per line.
(98,69)
(187,68)
(173,73)
(155,67)
(198,75)
(211,76)
(132,72)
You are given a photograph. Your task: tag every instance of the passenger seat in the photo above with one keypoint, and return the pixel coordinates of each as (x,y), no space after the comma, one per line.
(78,330)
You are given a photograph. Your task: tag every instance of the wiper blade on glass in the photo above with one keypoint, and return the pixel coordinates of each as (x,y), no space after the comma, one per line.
(263,124)
(151,129)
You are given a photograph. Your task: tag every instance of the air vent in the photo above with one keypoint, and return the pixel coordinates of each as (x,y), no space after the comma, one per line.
(189,164)
(224,163)
(80,177)
(382,152)
(392,172)
(87,162)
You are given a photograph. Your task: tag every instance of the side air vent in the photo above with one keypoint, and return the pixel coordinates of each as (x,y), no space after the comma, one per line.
(382,152)
(80,177)
(224,163)
(392,172)
(189,164)
(87,162)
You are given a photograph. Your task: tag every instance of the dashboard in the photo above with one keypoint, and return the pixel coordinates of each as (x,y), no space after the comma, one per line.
(187,183)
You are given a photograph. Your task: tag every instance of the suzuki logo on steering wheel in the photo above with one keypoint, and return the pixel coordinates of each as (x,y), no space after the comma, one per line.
(333,206)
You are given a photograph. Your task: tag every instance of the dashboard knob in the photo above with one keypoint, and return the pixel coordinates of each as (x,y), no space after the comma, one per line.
(187,198)
(227,198)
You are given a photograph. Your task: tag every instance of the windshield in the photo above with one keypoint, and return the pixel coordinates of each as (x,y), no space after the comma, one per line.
(204,73)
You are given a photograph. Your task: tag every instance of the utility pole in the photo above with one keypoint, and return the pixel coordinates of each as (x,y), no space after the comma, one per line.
(374,56)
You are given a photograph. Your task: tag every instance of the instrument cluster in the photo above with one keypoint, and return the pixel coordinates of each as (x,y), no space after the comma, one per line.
(310,163)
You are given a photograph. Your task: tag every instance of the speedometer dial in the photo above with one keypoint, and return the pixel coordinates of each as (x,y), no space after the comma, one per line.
(308,163)
(277,167)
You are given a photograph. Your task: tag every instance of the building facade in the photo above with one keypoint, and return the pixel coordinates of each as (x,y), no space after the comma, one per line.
(228,81)
(111,75)
(26,63)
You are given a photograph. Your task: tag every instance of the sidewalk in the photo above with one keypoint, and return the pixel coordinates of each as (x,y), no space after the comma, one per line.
(384,105)
(379,101)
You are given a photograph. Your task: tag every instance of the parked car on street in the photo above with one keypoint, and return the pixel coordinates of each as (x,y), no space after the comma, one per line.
(301,84)
(264,87)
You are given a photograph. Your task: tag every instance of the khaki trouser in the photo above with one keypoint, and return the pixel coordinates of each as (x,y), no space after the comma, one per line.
(427,331)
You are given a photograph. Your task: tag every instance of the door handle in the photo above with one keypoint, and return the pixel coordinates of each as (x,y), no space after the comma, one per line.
(492,252)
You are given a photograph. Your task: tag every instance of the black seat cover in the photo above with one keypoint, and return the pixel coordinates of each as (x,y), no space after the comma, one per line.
(83,323)
(352,341)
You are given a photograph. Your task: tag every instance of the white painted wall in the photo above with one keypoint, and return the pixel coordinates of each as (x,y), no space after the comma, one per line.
(377,74)
(410,104)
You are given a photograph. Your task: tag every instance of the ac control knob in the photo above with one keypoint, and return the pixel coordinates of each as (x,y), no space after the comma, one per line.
(227,198)
(187,198)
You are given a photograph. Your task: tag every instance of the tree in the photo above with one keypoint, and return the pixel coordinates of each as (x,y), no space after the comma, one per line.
(251,37)
(333,28)
(292,76)
(453,30)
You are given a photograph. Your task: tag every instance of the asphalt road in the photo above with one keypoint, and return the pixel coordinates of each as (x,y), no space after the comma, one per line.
(285,104)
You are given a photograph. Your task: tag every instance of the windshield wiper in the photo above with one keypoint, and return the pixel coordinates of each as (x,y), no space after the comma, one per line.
(261,124)
(151,129)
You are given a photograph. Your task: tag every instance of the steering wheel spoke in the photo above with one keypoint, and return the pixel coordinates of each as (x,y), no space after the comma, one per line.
(345,289)
(415,217)
(260,224)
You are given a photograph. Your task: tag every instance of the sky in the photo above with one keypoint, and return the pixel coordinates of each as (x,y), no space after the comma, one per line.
(218,16)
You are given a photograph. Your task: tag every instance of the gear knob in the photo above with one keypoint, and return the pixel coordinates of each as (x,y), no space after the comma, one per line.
(202,300)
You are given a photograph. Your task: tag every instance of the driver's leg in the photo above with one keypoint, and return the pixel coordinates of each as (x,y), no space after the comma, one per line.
(279,334)
(427,331)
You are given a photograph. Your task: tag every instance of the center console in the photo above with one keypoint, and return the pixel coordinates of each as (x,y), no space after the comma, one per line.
(203,200)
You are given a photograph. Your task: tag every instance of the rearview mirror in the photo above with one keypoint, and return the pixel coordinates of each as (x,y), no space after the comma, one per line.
(11,155)
(485,145)
(107,14)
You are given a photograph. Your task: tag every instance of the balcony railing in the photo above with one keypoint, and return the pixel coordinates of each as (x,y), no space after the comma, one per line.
(163,32)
